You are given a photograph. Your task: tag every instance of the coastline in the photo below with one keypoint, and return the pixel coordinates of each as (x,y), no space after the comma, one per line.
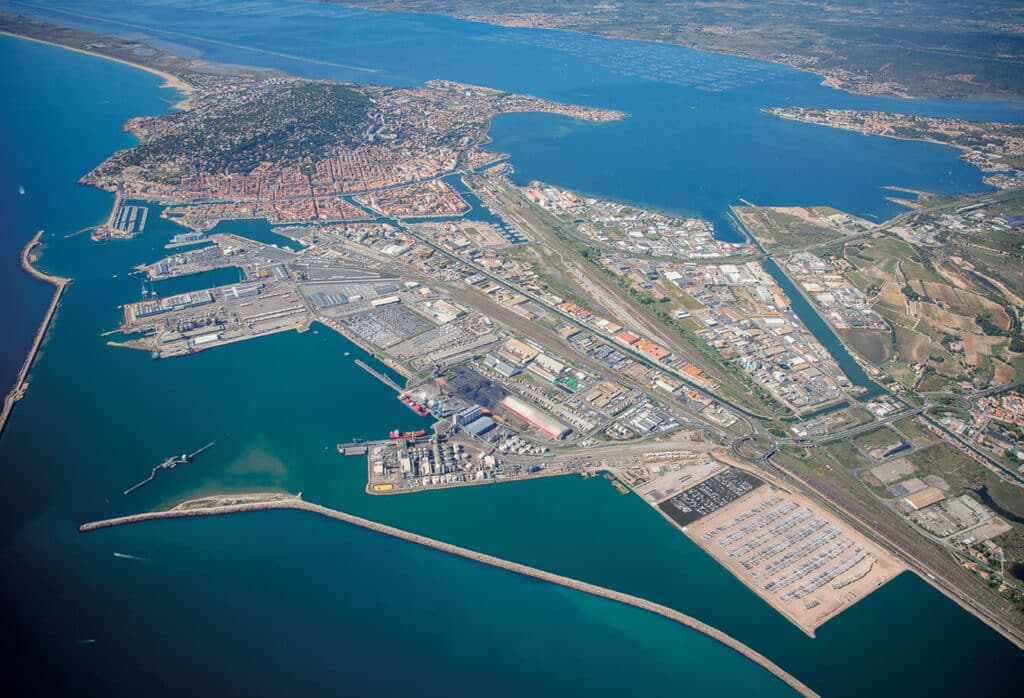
(964,150)
(827,80)
(20,383)
(171,81)
(269,502)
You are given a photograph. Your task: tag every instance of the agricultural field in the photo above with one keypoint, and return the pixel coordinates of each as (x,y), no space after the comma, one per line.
(946,328)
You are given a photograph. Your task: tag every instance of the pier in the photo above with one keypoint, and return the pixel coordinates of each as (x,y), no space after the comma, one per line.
(378,375)
(249,503)
(20,384)
(168,464)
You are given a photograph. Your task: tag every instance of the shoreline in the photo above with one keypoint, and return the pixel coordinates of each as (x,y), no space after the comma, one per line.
(20,386)
(171,81)
(825,78)
(963,150)
(280,502)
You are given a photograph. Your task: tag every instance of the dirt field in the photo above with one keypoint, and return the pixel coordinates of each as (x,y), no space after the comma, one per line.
(892,297)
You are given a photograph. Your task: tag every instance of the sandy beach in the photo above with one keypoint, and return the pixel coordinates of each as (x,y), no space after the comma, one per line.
(171,81)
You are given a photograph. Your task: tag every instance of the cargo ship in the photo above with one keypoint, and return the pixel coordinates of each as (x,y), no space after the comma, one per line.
(414,406)
(395,434)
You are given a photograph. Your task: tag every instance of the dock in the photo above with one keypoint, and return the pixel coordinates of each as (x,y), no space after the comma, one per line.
(378,375)
(168,464)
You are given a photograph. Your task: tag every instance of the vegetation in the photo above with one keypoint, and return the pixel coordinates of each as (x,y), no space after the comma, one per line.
(299,122)
(961,471)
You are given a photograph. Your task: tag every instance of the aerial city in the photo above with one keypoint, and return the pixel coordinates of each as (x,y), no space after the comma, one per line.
(450,347)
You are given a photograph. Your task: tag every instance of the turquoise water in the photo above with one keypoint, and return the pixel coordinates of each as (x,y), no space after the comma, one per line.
(322,606)
(323,615)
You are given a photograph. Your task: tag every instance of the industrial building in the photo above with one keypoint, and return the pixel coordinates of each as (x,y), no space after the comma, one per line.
(470,414)
(235,293)
(546,423)
(480,426)
(171,303)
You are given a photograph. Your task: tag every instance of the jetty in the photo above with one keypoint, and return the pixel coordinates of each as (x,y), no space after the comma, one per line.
(21,382)
(237,504)
(378,375)
(167,464)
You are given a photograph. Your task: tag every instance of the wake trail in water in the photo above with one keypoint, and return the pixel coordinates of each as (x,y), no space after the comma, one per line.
(126,556)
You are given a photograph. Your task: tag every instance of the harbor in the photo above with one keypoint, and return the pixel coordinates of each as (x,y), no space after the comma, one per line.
(238,504)
(259,450)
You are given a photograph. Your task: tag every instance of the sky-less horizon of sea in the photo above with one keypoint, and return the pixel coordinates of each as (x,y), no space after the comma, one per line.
(97,418)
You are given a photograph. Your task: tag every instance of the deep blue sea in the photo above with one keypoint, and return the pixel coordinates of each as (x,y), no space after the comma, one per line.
(287,603)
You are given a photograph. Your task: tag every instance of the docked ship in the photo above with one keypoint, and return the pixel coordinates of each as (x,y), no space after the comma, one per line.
(395,434)
(414,406)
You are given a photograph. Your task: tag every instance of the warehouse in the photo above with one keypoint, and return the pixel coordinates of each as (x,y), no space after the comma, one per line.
(547,424)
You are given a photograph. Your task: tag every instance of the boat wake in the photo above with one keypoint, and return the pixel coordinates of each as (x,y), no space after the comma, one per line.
(126,556)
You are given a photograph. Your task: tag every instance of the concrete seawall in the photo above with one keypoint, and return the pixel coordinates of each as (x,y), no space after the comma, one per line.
(295,503)
(20,386)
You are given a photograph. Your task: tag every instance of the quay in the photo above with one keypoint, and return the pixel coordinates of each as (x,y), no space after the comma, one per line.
(248,503)
(20,384)
(378,375)
(168,464)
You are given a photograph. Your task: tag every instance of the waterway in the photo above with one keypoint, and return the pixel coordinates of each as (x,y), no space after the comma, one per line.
(324,607)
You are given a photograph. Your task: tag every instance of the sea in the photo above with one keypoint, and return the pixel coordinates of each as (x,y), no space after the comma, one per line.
(287,603)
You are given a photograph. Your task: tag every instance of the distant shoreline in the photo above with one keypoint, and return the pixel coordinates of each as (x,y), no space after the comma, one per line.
(244,503)
(171,81)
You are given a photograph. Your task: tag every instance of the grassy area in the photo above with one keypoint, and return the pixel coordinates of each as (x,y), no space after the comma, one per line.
(846,454)
(778,230)
(883,248)
(876,439)
(871,345)
(961,471)
(1006,494)
(902,372)
(912,428)
(679,295)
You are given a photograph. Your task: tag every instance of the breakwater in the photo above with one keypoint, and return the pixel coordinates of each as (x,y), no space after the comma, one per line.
(20,383)
(190,509)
